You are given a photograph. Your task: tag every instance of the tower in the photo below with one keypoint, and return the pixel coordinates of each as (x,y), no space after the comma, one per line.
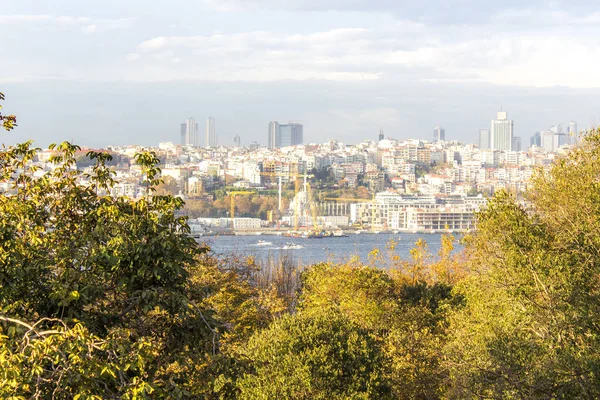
(381,137)
(189,133)
(484,139)
(283,135)
(573,133)
(211,133)
(439,134)
(501,132)
(273,136)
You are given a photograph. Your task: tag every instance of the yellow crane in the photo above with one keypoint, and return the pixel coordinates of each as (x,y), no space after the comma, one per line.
(232,198)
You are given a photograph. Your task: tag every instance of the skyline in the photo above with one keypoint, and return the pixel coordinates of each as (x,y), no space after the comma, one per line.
(108,72)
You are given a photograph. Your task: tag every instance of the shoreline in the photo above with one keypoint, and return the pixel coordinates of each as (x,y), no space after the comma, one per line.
(345,232)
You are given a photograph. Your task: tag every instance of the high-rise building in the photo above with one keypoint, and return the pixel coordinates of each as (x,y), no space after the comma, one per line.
(237,141)
(273,139)
(211,133)
(516,145)
(573,133)
(501,132)
(189,133)
(548,141)
(439,134)
(283,135)
(536,139)
(381,137)
(484,139)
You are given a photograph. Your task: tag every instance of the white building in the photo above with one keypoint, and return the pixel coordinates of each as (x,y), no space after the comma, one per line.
(501,133)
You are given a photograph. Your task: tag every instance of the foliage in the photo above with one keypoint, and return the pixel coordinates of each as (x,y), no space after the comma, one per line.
(403,317)
(530,324)
(8,121)
(313,355)
(100,269)
(362,293)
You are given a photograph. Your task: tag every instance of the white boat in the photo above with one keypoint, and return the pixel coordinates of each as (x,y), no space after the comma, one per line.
(264,243)
(292,246)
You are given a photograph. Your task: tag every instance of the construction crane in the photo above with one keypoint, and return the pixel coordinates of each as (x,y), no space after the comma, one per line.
(232,198)
(291,175)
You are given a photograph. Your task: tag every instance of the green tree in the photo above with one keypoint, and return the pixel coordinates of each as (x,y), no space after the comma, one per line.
(530,325)
(88,281)
(313,355)
(8,121)
(405,317)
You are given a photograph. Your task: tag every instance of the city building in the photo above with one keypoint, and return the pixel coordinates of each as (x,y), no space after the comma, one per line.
(516,146)
(273,138)
(439,134)
(283,135)
(381,137)
(189,133)
(237,141)
(211,133)
(484,139)
(536,139)
(573,133)
(501,133)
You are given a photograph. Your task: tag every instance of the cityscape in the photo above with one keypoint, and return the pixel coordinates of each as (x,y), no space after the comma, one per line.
(415,185)
(299,199)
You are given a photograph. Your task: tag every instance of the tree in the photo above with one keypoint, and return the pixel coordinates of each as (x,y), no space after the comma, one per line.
(405,318)
(313,355)
(8,121)
(88,281)
(530,325)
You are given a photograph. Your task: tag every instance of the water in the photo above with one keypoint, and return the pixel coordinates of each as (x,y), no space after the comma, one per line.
(326,249)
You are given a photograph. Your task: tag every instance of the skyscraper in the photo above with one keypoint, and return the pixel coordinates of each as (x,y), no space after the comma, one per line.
(439,134)
(189,133)
(273,138)
(381,137)
(548,141)
(237,141)
(516,145)
(501,133)
(536,139)
(573,133)
(283,135)
(211,133)
(484,139)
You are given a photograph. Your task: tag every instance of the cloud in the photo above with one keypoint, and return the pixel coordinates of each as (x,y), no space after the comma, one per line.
(401,50)
(87,25)
(516,46)
(87,29)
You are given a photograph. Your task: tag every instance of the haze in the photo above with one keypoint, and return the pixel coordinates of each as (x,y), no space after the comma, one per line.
(116,72)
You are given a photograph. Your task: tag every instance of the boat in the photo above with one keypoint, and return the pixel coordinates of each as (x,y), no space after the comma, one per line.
(264,243)
(292,246)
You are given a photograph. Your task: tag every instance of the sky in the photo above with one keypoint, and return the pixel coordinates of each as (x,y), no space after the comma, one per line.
(131,71)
